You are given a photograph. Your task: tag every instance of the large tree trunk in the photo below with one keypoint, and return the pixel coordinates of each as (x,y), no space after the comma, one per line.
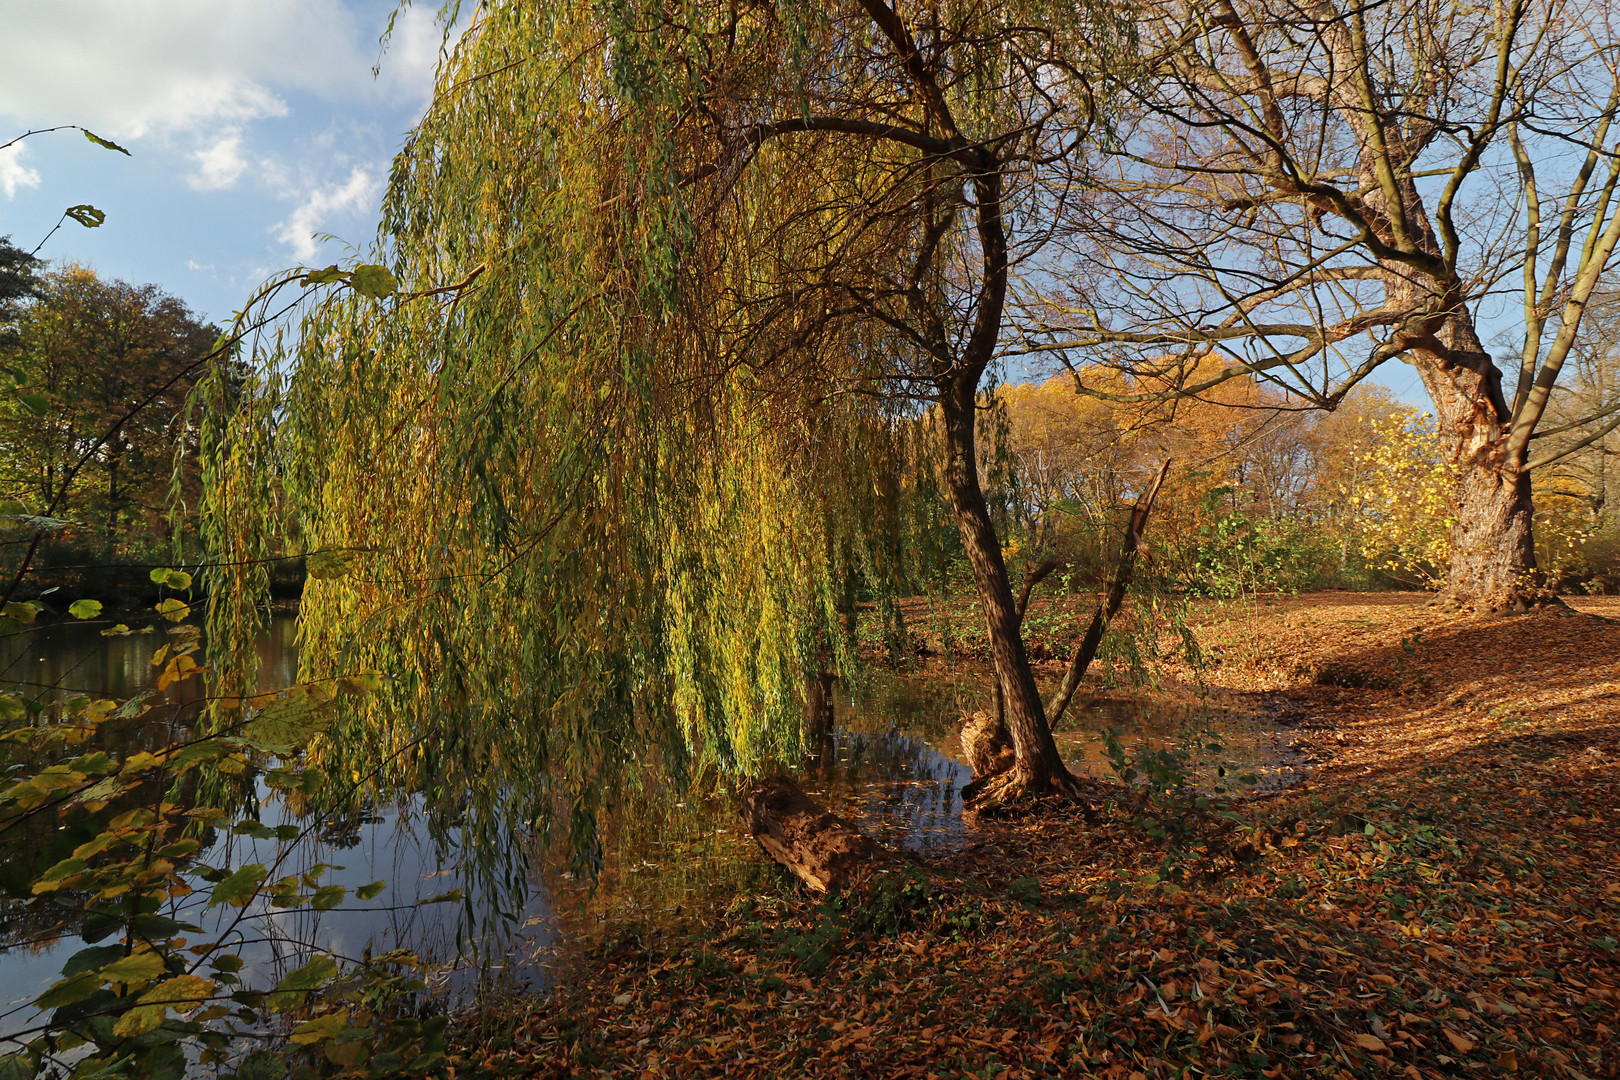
(1493,563)
(1037,765)
(1493,551)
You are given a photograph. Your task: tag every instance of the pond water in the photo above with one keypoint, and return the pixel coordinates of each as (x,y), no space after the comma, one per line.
(889,766)
(384,842)
(1223,744)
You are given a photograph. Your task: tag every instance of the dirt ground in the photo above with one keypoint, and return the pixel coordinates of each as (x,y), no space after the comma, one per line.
(1440,896)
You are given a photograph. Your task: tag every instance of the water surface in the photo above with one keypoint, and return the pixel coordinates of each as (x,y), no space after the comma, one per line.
(892,765)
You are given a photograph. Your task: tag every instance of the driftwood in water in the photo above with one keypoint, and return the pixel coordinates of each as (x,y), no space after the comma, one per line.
(821,848)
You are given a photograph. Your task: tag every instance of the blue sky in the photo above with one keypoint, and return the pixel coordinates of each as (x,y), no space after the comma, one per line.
(251,124)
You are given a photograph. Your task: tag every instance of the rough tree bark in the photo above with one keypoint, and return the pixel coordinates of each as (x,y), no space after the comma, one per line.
(1033,576)
(1493,550)
(986,746)
(819,847)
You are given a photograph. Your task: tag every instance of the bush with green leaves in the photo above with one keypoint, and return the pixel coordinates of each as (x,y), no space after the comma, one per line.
(1236,554)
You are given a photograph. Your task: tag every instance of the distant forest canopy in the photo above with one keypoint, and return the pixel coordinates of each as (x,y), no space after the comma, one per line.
(1268,493)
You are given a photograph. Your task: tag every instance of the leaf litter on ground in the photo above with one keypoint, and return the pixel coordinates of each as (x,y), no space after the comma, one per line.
(1440,896)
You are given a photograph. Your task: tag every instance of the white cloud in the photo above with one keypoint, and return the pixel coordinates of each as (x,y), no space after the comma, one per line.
(323,206)
(413,52)
(219,163)
(13,173)
(136,68)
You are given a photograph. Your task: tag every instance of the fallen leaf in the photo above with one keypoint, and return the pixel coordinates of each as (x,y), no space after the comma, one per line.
(1461,1043)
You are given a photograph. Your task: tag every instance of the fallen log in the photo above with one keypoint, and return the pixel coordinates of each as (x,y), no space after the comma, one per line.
(819,847)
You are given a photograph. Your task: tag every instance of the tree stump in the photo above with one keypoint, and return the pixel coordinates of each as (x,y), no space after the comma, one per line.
(819,847)
(986,744)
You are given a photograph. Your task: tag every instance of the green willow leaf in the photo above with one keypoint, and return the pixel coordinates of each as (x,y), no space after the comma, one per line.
(373,281)
(172,609)
(91,959)
(69,991)
(330,565)
(328,897)
(106,143)
(139,968)
(287,723)
(171,579)
(295,987)
(84,609)
(20,612)
(322,277)
(86,215)
(262,1065)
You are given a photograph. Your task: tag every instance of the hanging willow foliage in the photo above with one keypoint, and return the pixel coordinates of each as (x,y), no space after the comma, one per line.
(574,511)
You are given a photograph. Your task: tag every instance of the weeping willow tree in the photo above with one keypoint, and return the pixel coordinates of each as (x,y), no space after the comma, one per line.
(675,286)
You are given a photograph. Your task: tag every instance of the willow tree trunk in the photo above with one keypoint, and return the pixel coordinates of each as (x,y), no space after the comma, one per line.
(1037,765)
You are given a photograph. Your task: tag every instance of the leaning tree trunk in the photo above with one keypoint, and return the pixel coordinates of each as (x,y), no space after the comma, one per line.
(1037,765)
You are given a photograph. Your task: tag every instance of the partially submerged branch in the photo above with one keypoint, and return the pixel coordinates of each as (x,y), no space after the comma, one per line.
(1111,603)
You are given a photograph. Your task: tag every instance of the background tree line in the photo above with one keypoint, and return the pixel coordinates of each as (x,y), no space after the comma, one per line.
(1270,495)
(99,371)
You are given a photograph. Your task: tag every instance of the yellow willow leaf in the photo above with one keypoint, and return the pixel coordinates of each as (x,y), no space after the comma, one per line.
(321,1028)
(139,1020)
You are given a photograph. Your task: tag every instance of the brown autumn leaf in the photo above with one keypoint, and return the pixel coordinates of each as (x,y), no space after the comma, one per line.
(1460,1043)
(1370,1042)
